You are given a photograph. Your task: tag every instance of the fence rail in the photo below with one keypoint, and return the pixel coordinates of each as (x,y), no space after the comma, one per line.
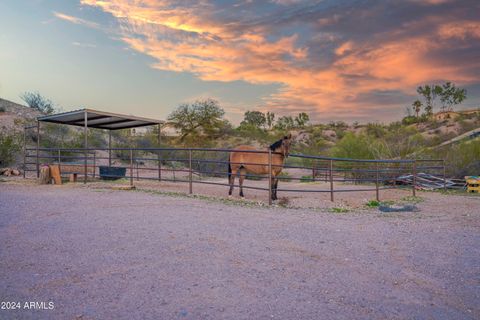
(157,163)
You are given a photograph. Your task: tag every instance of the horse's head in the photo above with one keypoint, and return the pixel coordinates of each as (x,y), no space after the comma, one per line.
(283,145)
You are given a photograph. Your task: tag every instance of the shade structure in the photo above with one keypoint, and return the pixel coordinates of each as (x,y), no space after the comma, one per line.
(99,119)
(89,118)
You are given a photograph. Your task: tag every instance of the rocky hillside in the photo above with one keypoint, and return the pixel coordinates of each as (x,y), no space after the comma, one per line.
(14,116)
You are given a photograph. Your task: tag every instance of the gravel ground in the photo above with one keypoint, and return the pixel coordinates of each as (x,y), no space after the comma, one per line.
(104,254)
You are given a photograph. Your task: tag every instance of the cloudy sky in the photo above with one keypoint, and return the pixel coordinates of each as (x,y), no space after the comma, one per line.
(336,60)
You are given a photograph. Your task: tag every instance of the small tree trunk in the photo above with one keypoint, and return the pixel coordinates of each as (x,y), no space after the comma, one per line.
(45,176)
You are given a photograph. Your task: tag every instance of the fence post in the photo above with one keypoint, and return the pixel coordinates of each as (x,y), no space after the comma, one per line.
(190,186)
(85,145)
(94,163)
(414,177)
(270,177)
(331,180)
(24,151)
(38,147)
(131,167)
(138,176)
(159,167)
(376,182)
(444,176)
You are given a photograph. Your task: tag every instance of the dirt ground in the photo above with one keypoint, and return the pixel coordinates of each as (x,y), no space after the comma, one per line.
(98,253)
(208,186)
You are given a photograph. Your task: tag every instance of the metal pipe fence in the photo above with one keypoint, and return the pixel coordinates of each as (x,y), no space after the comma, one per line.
(206,166)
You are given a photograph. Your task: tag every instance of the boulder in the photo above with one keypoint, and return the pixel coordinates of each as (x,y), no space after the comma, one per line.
(15,172)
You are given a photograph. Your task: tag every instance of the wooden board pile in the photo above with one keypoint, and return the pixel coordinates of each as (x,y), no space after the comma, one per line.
(9,172)
(425,181)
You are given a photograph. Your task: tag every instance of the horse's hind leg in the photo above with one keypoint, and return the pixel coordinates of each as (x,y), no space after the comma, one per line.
(231,180)
(243,172)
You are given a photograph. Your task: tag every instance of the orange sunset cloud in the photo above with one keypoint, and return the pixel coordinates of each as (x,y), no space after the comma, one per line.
(317,54)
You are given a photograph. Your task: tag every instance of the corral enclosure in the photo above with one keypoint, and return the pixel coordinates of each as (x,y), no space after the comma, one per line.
(301,174)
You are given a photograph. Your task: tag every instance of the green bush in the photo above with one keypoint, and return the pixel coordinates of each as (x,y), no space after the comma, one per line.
(307,178)
(10,145)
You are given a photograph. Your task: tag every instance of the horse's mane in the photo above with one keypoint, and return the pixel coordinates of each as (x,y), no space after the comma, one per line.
(274,146)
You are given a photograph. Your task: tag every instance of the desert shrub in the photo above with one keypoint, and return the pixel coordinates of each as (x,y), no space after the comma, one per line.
(10,145)
(460,159)
(355,147)
(409,120)
(306,178)
(374,129)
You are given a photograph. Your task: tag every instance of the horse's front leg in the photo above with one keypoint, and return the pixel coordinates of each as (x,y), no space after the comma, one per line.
(275,188)
(273,183)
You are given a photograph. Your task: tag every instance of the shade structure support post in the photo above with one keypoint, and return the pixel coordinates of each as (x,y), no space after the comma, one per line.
(414,177)
(38,147)
(270,184)
(190,175)
(331,179)
(131,167)
(85,145)
(109,148)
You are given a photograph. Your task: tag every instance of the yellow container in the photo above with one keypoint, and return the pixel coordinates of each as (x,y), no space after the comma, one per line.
(473,183)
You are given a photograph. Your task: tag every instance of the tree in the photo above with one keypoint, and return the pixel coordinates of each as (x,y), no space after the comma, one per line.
(285,123)
(255,119)
(199,117)
(451,96)
(302,119)
(430,94)
(417,106)
(270,117)
(36,101)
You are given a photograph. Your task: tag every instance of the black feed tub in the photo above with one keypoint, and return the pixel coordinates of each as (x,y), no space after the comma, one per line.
(112,173)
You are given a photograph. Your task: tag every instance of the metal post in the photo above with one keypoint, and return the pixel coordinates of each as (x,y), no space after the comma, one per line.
(94,164)
(158,155)
(38,147)
(190,187)
(109,148)
(414,175)
(376,182)
(270,176)
(24,151)
(85,145)
(131,167)
(138,177)
(331,180)
(60,162)
(444,176)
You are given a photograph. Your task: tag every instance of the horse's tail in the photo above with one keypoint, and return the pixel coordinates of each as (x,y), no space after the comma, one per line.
(229,169)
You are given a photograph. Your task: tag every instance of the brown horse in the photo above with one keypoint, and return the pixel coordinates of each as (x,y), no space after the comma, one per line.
(257,163)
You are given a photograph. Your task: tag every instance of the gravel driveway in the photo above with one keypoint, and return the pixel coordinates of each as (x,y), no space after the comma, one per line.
(103,254)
